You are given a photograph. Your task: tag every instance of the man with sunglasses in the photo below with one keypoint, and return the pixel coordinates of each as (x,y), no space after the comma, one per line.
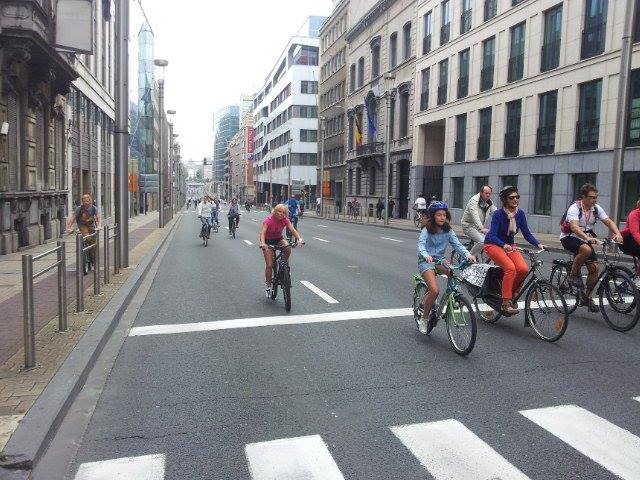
(578,237)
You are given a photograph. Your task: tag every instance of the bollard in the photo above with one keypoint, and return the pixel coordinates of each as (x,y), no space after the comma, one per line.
(96,263)
(27,312)
(62,286)
(79,274)
(107,270)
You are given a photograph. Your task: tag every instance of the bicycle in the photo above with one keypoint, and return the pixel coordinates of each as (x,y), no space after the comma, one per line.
(281,274)
(617,295)
(294,222)
(545,308)
(205,231)
(457,258)
(453,307)
(417,218)
(234,227)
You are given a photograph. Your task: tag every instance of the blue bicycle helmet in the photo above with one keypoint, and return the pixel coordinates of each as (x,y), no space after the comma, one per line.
(435,206)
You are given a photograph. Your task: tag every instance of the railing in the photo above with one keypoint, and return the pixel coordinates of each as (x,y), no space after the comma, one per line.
(445,33)
(463,86)
(490,9)
(484,144)
(512,144)
(442,94)
(426,44)
(465,21)
(546,139)
(550,57)
(587,133)
(116,252)
(516,68)
(486,78)
(81,252)
(593,39)
(402,142)
(370,148)
(27,298)
(459,151)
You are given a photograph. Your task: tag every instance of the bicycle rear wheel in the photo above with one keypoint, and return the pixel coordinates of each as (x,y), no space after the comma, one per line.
(486,313)
(618,298)
(461,325)
(205,240)
(546,310)
(285,279)
(560,278)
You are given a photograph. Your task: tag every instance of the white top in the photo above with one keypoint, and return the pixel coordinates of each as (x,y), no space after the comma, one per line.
(420,204)
(204,209)
(587,220)
(318,200)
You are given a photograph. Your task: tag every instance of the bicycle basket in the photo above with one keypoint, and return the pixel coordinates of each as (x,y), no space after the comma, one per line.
(475,274)
(492,286)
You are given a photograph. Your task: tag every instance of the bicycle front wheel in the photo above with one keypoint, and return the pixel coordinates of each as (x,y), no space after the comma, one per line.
(285,280)
(419,292)
(560,278)
(618,298)
(546,310)
(461,325)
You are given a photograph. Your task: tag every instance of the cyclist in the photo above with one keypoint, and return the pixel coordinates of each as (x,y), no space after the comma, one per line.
(215,209)
(420,205)
(294,208)
(499,245)
(475,215)
(233,214)
(205,214)
(318,205)
(435,236)
(247,205)
(88,219)
(631,239)
(271,234)
(578,238)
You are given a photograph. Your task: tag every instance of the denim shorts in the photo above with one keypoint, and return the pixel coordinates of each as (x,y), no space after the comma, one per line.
(423,265)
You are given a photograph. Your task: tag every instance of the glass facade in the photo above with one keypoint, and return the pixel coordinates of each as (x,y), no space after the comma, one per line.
(227,124)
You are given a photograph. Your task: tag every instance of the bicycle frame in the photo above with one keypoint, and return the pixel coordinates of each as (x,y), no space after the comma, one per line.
(605,260)
(451,291)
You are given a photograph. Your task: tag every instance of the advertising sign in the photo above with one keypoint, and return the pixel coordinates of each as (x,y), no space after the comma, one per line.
(74,26)
(250,144)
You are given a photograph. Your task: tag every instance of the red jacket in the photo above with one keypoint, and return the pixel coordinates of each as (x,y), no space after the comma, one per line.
(633,225)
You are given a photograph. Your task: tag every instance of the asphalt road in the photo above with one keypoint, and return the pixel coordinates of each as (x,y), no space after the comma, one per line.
(211,404)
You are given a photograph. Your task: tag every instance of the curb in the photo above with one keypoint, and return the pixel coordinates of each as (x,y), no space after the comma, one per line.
(38,427)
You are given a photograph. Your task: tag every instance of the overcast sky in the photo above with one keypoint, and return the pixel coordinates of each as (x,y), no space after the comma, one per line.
(217,50)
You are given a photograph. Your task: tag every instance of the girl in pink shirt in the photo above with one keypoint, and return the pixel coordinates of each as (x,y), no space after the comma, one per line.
(631,237)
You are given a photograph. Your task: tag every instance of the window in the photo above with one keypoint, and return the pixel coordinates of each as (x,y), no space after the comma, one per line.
(580,179)
(443,67)
(630,192)
(445,29)
(550,57)
(463,79)
(516,54)
(479,182)
(426,40)
(484,137)
(392,120)
(488,55)
(308,87)
(308,135)
(490,9)
(424,90)
(588,126)
(352,133)
(305,55)
(406,30)
(350,182)
(595,27)
(465,17)
(375,58)
(360,72)
(512,136)
(393,50)
(404,114)
(542,188)
(358,181)
(352,78)
(372,180)
(633,131)
(461,138)
(457,185)
(636,24)
(509,180)
(546,135)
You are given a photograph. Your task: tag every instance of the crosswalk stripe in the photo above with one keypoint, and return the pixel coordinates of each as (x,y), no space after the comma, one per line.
(637,399)
(248,242)
(301,457)
(451,451)
(147,467)
(614,448)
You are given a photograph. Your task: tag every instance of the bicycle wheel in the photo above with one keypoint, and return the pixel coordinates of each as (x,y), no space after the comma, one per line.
(416,220)
(485,312)
(629,273)
(560,278)
(285,282)
(419,291)
(461,324)
(618,298)
(205,239)
(546,310)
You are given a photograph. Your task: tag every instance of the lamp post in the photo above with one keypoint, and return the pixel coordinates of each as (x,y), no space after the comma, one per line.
(170,113)
(387,157)
(322,130)
(161,221)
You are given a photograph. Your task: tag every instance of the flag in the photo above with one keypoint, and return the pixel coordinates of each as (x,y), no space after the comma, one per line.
(358,132)
(371,122)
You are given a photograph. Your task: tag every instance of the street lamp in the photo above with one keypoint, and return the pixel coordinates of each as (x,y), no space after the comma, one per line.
(389,77)
(170,163)
(162,64)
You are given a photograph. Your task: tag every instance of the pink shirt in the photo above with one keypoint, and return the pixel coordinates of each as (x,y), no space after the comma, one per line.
(274,227)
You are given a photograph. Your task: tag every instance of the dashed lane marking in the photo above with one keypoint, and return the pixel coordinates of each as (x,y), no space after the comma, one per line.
(321,239)
(392,239)
(322,294)
(323,226)
(147,467)
(248,242)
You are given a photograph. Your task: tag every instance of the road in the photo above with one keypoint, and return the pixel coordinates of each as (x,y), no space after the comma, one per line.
(366,397)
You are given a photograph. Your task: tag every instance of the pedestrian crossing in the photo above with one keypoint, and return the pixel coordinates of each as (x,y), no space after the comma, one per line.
(447,449)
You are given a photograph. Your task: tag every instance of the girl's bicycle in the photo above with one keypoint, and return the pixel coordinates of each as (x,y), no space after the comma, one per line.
(453,307)
(281,275)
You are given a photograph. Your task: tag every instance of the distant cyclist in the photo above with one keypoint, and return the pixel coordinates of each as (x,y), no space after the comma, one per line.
(88,219)
(474,218)
(234,214)
(420,205)
(294,209)
(204,211)
(215,209)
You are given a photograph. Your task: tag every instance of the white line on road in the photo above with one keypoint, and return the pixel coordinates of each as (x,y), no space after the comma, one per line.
(269,321)
(449,450)
(147,467)
(392,239)
(603,442)
(323,226)
(301,457)
(321,239)
(248,242)
(254,219)
(637,399)
(323,295)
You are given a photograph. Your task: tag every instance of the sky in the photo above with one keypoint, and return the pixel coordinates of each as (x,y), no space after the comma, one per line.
(217,51)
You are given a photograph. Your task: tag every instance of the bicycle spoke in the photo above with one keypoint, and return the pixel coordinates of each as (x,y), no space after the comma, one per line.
(546,311)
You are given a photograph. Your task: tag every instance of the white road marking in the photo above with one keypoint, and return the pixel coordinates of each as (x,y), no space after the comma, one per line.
(269,321)
(323,295)
(248,242)
(254,219)
(225,227)
(449,450)
(392,239)
(637,399)
(321,239)
(301,457)
(323,226)
(147,467)
(614,448)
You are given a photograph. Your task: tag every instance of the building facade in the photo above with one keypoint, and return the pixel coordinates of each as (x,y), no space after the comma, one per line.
(525,93)
(241,165)
(285,119)
(381,54)
(331,104)
(227,123)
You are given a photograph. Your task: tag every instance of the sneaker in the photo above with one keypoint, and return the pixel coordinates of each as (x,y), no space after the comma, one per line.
(267,292)
(433,318)
(422,326)
(588,302)
(576,281)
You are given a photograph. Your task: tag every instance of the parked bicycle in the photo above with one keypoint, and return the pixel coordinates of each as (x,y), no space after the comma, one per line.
(453,307)
(617,295)
(281,275)
(546,310)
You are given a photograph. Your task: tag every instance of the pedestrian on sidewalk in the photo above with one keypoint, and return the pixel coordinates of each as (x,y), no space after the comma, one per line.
(88,219)
(392,205)
(379,208)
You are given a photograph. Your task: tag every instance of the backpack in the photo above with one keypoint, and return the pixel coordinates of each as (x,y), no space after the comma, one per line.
(565,226)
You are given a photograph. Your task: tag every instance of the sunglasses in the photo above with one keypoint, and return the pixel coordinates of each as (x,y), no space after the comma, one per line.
(514,197)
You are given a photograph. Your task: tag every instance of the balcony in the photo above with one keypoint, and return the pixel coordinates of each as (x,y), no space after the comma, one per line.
(459,151)
(368,150)
(587,133)
(402,144)
(486,78)
(426,44)
(593,39)
(442,94)
(445,33)
(512,143)
(550,56)
(484,144)
(463,86)
(465,22)
(490,9)
(516,68)
(546,140)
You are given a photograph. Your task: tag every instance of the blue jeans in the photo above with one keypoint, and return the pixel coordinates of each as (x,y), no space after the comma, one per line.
(206,226)
(214,216)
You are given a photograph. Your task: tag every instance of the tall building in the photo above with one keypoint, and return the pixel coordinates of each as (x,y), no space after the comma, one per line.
(331,102)
(241,165)
(381,52)
(286,118)
(525,93)
(227,123)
